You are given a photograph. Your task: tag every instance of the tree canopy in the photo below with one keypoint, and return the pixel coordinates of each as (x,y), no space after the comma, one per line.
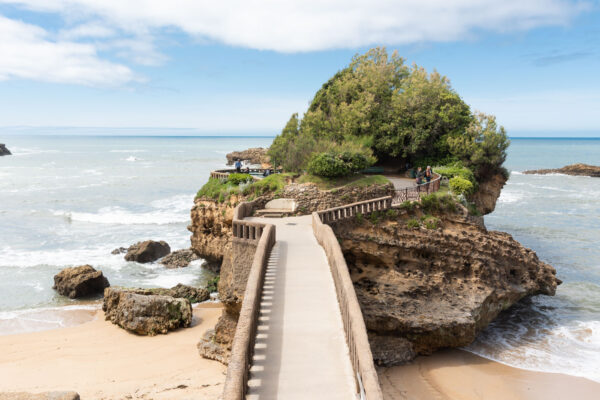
(382,109)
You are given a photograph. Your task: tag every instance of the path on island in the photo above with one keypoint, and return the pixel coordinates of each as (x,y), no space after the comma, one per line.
(301,350)
(401,182)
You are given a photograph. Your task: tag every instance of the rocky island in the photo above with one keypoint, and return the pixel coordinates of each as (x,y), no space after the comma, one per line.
(574,169)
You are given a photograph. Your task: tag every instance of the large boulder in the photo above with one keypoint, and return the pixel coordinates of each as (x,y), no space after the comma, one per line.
(39,396)
(574,169)
(179,258)
(80,281)
(148,251)
(426,288)
(4,151)
(257,155)
(146,314)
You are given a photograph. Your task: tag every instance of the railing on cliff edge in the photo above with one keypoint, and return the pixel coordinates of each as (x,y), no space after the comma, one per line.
(415,192)
(236,382)
(224,173)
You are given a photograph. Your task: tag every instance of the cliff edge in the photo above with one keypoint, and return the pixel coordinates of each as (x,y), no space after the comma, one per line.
(426,282)
(4,151)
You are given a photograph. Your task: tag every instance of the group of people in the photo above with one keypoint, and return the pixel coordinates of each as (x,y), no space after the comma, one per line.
(424,176)
(238,169)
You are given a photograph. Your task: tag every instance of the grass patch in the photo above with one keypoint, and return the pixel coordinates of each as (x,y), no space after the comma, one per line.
(213,284)
(413,223)
(438,202)
(351,181)
(271,184)
(221,191)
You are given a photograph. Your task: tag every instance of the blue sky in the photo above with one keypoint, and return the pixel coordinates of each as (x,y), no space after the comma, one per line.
(239,67)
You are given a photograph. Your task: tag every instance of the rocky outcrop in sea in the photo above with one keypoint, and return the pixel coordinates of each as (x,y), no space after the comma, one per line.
(148,251)
(179,258)
(574,169)
(436,285)
(80,281)
(4,151)
(257,155)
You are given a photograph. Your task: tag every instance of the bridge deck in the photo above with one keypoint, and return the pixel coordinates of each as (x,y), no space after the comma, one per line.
(300,350)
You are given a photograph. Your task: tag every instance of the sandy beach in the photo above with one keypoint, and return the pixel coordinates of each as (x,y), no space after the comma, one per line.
(102,361)
(459,375)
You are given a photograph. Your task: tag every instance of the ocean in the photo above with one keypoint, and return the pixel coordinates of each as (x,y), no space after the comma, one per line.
(70,200)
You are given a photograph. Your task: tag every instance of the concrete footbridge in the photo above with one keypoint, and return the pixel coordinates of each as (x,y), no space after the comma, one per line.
(301,333)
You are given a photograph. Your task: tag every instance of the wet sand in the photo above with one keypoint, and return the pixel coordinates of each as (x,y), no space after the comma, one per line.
(99,360)
(459,375)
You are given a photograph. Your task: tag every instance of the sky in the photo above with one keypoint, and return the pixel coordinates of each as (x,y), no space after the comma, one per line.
(242,67)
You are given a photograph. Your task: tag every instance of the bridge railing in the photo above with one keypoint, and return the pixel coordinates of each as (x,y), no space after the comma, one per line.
(415,192)
(351,210)
(367,382)
(224,173)
(242,348)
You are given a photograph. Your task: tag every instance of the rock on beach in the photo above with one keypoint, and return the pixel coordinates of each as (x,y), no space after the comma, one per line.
(80,281)
(147,251)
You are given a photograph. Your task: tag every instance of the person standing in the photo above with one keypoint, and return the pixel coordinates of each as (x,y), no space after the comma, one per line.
(238,166)
(428,174)
(419,178)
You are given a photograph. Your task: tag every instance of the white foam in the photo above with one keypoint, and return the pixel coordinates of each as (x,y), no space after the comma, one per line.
(168,281)
(509,197)
(120,216)
(129,151)
(132,159)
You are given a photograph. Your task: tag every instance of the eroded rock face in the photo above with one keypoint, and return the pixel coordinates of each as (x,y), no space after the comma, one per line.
(179,258)
(256,155)
(192,294)
(574,169)
(40,396)
(148,251)
(4,151)
(488,192)
(146,314)
(80,281)
(435,288)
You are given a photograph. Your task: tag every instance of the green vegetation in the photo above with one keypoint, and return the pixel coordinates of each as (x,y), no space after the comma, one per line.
(352,181)
(460,185)
(379,108)
(438,202)
(430,221)
(408,205)
(213,284)
(333,164)
(413,223)
(221,191)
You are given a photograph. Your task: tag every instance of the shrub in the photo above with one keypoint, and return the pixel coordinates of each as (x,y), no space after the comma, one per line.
(213,284)
(335,164)
(460,185)
(413,223)
(431,222)
(454,170)
(407,205)
(236,179)
(359,218)
(391,213)
(436,202)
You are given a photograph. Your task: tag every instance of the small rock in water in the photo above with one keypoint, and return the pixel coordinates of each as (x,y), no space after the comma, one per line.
(179,258)
(119,250)
(148,251)
(80,281)
(146,314)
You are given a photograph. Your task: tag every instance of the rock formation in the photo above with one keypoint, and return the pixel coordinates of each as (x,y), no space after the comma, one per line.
(193,294)
(146,314)
(4,151)
(423,289)
(574,169)
(80,281)
(148,251)
(487,193)
(119,250)
(179,258)
(40,396)
(257,155)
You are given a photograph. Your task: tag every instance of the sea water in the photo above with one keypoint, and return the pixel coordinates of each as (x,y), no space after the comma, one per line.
(558,216)
(68,201)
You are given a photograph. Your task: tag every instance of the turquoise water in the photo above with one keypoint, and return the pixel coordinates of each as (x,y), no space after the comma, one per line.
(558,216)
(71,200)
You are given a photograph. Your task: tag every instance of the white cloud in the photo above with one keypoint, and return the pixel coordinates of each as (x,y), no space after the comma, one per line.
(308,25)
(26,51)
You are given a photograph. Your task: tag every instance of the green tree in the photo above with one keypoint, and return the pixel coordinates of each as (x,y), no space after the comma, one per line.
(482,147)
